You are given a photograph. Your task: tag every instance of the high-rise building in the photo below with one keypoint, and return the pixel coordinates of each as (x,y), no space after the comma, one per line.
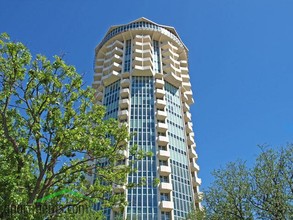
(141,76)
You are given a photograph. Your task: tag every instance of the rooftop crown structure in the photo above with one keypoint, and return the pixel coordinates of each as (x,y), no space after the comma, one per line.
(141,76)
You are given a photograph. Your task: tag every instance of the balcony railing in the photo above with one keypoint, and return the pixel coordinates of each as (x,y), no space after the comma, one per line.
(194,166)
(163,154)
(162,140)
(173,79)
(110,78)
(164,170)
(124,93)
(161,115)
(160,93)
(159,83)
(161,127)
(166,206)
(123,115)
(196,181)
(165,187)
(125,83)
(187,116)
(124,103)
(160,103)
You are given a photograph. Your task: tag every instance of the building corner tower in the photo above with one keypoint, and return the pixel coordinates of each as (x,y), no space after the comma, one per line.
(141,76)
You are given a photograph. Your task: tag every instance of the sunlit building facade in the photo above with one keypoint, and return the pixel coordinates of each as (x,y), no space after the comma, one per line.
(141,76)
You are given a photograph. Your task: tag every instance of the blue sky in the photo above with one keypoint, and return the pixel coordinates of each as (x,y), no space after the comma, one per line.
(240,61)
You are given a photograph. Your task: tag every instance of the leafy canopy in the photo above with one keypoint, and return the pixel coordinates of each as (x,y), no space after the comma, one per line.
(264,191)
(52,135)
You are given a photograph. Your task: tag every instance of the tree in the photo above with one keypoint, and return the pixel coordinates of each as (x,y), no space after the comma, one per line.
(196,214)
(52,135)
(264,191)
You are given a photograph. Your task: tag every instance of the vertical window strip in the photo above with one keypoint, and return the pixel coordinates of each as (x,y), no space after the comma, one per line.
(127,56)
(181,178)
(156,57)
(111,102)
(142,200)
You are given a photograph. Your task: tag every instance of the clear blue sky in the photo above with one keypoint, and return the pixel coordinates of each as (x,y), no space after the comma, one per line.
(240,56)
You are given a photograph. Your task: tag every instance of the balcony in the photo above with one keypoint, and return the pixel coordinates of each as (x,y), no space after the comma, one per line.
(98,76)
(110,78)
(99,68)
(165,187)
(184,97)
(163,154)
(196,181)
(116,43)
(186,85)
(124,93)
(170,60)
(123,115)
(113,67)
(192,153)
(167,45)
(184,70)
(161,127)
(125,83)
(198,196)
(189,100)
(193,165)
(173,79)
(144,45)
(166,206)
(115,50)
(187,116)
(125,75)
(96,84)
(99,61)
(183,63)
(188,127)
(143,53)
(142,61)
(160,93)
(115,58)
(186,107)
(124,103)
(190,139)
(142,70)
(100,88)
(171,68)
(161,115)
(99,96)
(164,170)
(160,103)
(159,83)
(162,140)
(142,38)
(159,75)
(169,52)
(119,188)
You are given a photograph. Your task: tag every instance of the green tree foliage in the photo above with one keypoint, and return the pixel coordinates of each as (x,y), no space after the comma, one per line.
(264,191)
(51,135)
